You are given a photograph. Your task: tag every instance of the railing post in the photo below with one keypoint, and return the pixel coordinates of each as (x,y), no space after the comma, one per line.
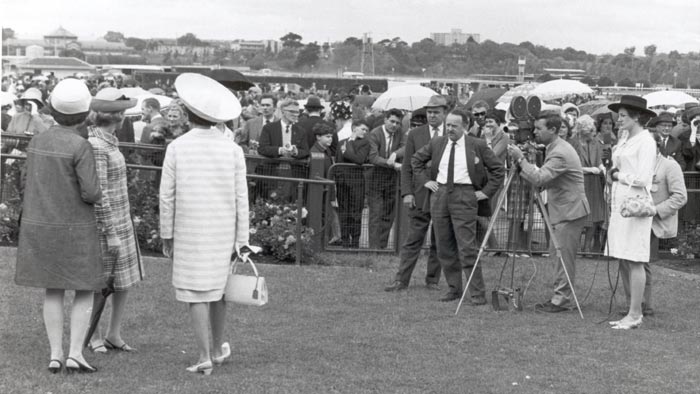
(315,200)
(300,207)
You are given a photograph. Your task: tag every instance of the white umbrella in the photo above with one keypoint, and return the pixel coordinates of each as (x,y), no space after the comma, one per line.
(7,98)
(406,97)
(673,98)
(560,88)
(136,110)
(133,92)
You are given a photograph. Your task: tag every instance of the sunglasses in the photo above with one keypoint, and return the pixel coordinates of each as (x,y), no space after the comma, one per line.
(479,114)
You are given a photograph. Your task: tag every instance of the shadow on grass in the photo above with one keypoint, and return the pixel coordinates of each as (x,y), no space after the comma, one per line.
(333,329)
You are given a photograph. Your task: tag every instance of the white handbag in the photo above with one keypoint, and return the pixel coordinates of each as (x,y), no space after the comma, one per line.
(245,289)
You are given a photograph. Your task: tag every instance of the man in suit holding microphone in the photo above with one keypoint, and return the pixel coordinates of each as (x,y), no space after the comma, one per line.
(416,199)
(463,171)
(561,174)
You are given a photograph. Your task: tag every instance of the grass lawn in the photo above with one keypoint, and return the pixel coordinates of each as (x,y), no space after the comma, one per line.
(333,329)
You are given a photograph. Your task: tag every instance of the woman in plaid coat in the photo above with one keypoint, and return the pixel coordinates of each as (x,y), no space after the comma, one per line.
(117,238)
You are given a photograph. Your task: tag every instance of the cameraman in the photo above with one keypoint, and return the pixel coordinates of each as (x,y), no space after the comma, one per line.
(561,174)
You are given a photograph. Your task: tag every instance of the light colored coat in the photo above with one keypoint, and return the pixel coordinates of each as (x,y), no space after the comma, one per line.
(203,207)
(669,195)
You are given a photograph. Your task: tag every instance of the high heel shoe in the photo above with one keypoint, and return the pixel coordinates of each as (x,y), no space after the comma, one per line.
(630,324)
(55,365)
(204,368)
(225,353)
(73,365)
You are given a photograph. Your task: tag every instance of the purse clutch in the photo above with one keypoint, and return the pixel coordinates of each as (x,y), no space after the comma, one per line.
(245,289)
(640,206)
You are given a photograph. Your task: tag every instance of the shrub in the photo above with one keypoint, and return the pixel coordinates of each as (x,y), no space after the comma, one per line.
(688,241)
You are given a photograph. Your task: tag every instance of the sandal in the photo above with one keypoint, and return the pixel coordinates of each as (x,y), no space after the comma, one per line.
(100,348)
(123,348)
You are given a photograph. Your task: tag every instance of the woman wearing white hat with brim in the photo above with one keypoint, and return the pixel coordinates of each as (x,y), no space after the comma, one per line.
(204,211)
(58,246)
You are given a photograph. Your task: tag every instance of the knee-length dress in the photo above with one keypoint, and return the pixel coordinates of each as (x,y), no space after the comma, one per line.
(204,209)
(635,157)
(114,212)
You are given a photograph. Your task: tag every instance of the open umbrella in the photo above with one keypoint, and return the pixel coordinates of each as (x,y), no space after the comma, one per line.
(559,88)
(520,90)
(232,79)
(406,97)
(591,106)
(489,95)
(133,92)
(672,98)
(7,98)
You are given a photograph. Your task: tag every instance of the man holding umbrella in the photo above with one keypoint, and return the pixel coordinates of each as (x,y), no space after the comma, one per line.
(417,199)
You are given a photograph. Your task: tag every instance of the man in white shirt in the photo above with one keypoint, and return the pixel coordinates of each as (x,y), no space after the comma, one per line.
(463,171)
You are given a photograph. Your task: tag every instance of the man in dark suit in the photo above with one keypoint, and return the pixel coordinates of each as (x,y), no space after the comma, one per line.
(670,145)
(561,174)
(249,136)
(314,108)
(691,140)
(284,138)
(463,171)
(416,199)
(386,150)
(157,130)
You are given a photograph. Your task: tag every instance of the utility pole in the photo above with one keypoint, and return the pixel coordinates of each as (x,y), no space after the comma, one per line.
(367,53)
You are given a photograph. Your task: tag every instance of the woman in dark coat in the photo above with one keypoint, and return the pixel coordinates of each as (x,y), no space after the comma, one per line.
(59,248)
(590,152)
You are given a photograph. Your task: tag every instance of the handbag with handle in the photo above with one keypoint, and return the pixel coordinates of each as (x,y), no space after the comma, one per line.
(245,289)
(640,206)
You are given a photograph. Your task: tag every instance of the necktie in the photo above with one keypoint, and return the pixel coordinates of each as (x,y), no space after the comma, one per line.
(436,132)
(451,168)
(286,130)
(665,142)
(388,145)
(267,121)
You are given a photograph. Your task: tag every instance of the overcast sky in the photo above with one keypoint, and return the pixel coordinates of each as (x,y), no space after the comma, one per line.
(596,26)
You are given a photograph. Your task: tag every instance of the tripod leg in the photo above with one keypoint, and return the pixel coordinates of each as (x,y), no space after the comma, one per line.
(554,240)
(489,229)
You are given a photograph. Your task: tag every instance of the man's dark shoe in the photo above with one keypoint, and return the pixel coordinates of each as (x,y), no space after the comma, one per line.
(432,286)
(396,286)
(647,311)
(548,307)
(478,300)
(450,296)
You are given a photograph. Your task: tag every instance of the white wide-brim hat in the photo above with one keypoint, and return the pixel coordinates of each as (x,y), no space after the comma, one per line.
(207,98)
(70,96)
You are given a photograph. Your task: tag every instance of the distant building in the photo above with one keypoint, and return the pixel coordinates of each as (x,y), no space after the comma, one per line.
(455,36)
(170,45)
(58,40)
(61,67)
(256,45)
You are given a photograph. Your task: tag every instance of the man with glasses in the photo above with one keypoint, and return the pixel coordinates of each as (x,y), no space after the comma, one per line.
(479,110)
(284,138)
(250,135)
(670,146)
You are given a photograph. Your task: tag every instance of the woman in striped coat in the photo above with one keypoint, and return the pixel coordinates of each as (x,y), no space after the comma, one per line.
(204,212)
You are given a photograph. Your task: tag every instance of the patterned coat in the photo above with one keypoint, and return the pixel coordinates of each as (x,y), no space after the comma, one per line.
(58,243)
(113,212)
(203,207)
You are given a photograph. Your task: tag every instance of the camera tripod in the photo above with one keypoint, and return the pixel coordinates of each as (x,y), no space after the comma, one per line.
(513,296)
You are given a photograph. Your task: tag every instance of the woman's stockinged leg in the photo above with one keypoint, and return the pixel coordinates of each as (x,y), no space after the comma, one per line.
(199,314)
(79,322)
(637,281)
(217,317)
(53,321)
(118,306)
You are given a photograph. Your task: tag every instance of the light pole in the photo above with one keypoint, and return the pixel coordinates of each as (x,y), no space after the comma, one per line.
(675,77)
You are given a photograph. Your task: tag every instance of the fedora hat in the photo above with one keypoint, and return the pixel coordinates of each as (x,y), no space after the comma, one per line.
(70,96)
(632,102)
(664,117)
(313,102)
(436,101)
(111,100)
(207,98)
(33,94)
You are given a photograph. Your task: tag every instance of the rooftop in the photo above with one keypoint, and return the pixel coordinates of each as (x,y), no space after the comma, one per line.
(58,63)
(61,32)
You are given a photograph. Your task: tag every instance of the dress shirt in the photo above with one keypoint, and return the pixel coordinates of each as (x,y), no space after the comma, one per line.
(439,131)
(461,170)
(388,136)
(286,134)
(693,133)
